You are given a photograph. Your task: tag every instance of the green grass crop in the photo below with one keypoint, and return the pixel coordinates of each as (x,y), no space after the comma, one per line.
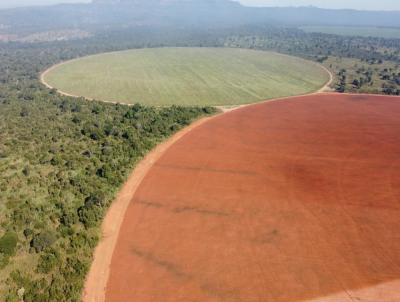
(187,76)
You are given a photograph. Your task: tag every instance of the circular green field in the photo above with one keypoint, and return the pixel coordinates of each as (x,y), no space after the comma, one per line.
(187,76)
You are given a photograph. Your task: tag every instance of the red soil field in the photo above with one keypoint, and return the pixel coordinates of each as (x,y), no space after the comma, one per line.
(283,201)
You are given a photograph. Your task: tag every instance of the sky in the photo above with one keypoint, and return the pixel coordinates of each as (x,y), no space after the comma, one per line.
(16,3)
(355,4)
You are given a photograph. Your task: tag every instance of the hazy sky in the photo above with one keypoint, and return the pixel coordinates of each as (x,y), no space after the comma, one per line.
(15,3)
(356,4)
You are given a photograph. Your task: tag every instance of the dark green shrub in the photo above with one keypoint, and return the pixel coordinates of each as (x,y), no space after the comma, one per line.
(26,171)
(69,218)
(4,260)
(24,112)
(98,199)
(28,232)
(43,240)
(90,216)
(8,243)
(48,262)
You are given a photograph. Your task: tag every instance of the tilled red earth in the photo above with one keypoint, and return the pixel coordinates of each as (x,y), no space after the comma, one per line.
(282,201)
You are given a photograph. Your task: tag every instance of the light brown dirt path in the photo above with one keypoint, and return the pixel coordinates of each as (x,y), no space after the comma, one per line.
(327,86)
(97,278)
(283,201)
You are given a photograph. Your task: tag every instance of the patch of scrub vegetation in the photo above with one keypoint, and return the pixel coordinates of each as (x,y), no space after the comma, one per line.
(62,162)
(362,31)
(365,76)
(188,76)
(8,244)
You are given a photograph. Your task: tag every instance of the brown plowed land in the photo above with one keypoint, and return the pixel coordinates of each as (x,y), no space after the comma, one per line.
(282,201)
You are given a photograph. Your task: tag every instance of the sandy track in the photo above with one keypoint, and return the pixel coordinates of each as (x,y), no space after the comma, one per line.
(327,86)
(98,275)
(294,200)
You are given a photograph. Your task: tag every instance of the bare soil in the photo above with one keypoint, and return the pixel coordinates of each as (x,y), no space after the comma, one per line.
(285,201)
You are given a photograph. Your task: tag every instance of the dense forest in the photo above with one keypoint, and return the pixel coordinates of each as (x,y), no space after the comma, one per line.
(63,159)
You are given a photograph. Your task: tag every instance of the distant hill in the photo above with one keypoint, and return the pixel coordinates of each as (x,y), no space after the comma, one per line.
(210,13)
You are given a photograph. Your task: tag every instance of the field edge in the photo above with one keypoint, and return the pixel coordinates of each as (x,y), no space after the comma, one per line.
(97,277)
(324,88)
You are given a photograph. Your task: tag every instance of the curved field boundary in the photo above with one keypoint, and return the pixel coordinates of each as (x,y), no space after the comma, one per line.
(324,88)
(43,81)
(334,240)
(44,73)
(96,280)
